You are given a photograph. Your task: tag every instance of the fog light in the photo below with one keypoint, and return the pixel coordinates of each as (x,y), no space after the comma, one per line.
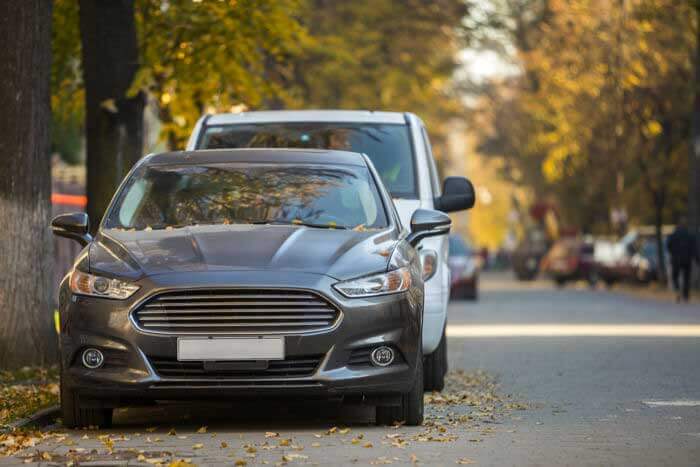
(382,356)
(93,358)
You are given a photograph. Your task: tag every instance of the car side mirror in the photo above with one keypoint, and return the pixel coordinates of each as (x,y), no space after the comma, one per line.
(457,195)
(428,223)
(75,226)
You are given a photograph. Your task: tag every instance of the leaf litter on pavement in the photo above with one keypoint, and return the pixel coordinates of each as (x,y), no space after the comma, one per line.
(471,402)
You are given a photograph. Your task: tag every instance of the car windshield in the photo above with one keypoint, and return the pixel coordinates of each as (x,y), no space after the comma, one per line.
(387,145)
(458,247)
(173,196)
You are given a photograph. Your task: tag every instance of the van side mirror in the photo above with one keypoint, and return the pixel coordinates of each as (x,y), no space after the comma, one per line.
(428,223)
(75,226)
(457,195)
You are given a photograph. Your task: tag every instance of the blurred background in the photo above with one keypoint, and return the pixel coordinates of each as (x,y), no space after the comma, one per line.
(578,122)
(573,118)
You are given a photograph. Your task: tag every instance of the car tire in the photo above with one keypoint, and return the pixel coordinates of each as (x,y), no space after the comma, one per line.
(473,293)
(77,416)
(435,367)
(592,279)
(410,408)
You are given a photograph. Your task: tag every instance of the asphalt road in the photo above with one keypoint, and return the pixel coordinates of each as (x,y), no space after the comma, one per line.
(541,376)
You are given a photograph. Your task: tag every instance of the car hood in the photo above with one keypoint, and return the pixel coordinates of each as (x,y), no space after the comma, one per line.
(341,254)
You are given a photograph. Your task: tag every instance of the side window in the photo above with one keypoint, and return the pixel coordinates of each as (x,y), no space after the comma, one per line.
(434,179)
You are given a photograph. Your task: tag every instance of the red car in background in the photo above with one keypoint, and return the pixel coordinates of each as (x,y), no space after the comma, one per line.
(571,259)
(464,270)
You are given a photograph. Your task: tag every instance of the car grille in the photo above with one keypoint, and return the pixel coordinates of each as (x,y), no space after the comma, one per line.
(291,367)
(238,384)
(247,311)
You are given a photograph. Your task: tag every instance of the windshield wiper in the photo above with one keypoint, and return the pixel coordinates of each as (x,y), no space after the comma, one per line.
(320,226)
(297,222)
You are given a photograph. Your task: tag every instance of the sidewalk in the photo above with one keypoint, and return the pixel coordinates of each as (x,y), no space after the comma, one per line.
(655,291)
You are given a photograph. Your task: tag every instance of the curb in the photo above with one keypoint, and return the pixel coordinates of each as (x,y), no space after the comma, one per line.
(41,417)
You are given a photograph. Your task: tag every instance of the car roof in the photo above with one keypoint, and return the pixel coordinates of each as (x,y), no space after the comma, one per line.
(345,116)
(260,155)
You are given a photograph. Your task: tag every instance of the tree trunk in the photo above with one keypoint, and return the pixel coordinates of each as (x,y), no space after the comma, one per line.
(26,333)
(694,146)
(113,120)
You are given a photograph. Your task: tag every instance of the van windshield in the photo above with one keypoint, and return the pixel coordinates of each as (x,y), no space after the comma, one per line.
(387,145)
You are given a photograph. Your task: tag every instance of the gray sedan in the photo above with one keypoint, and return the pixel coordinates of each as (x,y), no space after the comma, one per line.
(245,273)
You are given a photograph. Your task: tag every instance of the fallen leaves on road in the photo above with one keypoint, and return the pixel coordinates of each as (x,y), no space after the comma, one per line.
(25,391)
(17,440)
(180,463)
(466,410)
(464,460)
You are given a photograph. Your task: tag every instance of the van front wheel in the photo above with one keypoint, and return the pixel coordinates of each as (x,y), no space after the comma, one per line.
(436,367)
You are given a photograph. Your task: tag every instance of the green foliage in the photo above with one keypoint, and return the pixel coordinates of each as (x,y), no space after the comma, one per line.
(599,117)
(383,55)
(212,56)
(67,93)
(201,56)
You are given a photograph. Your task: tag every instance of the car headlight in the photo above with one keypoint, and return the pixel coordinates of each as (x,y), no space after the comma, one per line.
(428,261)
(398,280)
(98,286)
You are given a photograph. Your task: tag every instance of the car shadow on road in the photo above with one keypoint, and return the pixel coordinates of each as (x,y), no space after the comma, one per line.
(245,415)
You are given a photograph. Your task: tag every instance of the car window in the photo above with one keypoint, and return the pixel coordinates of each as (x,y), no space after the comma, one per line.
(458,247)
(434,179)
(387,145)
(172,196)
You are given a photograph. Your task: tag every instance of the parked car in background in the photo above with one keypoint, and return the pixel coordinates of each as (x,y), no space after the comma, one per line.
(398,146)
(464,270)
(646,260)
(245,273)
(571,259)
(527,255)
(633,258)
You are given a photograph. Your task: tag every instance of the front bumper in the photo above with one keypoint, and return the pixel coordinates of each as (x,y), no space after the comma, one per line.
(129,374)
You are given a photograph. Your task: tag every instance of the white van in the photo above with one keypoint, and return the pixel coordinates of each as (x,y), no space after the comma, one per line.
(398,146)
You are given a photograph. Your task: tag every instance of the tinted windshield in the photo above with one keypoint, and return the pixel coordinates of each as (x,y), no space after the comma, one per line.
(172,196)
(388,146)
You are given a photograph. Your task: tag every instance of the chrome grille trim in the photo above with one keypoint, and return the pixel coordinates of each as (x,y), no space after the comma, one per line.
(235,311)
(195,370)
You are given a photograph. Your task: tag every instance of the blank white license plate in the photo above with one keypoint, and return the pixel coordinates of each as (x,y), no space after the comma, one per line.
(230,348)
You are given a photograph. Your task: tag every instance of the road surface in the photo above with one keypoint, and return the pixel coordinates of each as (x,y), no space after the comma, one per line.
(540,376)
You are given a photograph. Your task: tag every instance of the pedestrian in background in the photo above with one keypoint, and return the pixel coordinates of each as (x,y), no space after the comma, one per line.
(682,245)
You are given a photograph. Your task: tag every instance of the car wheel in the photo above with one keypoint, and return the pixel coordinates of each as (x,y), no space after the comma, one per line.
(410,409)
(77,416)
(473,293)
(592,279)
(435,367)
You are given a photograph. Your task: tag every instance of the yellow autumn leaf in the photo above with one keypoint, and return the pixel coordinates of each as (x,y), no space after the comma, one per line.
(652,129)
